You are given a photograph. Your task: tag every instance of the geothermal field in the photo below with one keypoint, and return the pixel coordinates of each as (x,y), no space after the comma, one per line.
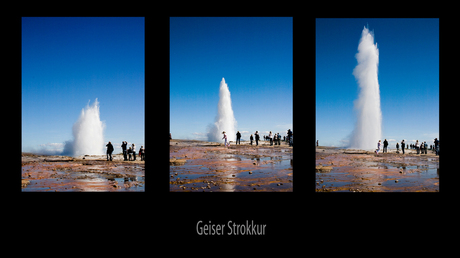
(211,167)
(86,173)
(348,170)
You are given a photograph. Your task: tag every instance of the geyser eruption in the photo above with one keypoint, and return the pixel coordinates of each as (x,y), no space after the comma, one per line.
(368,128)
(87,133)
(225,121)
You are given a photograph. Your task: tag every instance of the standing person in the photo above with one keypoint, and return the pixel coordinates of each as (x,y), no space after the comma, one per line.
(251,138)
(130,153)
(275,138)
(270,136)
(417,147)
(123,147)
(289,133)
(317,141)
(378,147)
(279,139)
(425,146)
(109,151)
(436,142)
(397,147)
(141,153)
(403,144)
(238,138)
(225,137)
(385,145)
(134,151)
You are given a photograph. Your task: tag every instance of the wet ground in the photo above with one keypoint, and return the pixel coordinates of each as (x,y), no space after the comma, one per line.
(341,170)
(67,174)
(210,167)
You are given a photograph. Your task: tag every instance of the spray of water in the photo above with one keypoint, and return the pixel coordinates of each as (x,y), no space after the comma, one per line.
(368,128)
(225,120)
(88,133)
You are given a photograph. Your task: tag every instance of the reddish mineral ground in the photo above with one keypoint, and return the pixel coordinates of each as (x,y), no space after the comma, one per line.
(81,174)
(212,167)
(344,170)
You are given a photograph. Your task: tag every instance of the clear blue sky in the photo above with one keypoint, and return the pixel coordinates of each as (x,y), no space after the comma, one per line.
(255,57)
(408,78)
(68,61)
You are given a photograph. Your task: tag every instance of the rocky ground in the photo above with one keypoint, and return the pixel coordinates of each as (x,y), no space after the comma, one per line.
(344,170)
(85,173)
(212,167)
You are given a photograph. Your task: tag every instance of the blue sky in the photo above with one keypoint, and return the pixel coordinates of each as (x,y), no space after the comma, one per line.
(408,78)
(255,57)
(67,62)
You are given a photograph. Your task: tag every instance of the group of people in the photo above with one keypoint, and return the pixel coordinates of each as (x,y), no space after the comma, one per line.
(276,138)
(131,151)
(421,147)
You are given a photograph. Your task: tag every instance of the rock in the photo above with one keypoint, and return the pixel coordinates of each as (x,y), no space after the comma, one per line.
(321,168)
(250,172)
(175,161)
(24,182)
(396,180)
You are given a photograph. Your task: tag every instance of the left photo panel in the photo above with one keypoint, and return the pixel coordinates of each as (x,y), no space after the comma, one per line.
(82,104)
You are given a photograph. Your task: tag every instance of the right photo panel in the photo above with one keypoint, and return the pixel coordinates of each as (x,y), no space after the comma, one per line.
(377,105)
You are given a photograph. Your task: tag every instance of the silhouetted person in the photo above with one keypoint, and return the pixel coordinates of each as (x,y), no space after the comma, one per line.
(251,138)
(385,146)
(141,153)
(123,147)
(130,153)
(109,150)
(403,144)
(238,138)
(134,151)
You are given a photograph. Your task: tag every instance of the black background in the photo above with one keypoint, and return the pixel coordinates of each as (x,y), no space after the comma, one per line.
(172,216)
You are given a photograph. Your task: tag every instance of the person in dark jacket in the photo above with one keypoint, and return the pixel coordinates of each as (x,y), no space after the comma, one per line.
(238,138)
(385,145)
(251,138)
(123,147)
(141,153)
(257,138)
(109,151)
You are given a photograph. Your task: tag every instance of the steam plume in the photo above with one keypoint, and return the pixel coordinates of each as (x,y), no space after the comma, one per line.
(368,128)
(225,120)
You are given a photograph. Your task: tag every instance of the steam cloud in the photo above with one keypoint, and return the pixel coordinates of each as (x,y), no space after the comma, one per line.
(88,133)
(225,120)
(368,128)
